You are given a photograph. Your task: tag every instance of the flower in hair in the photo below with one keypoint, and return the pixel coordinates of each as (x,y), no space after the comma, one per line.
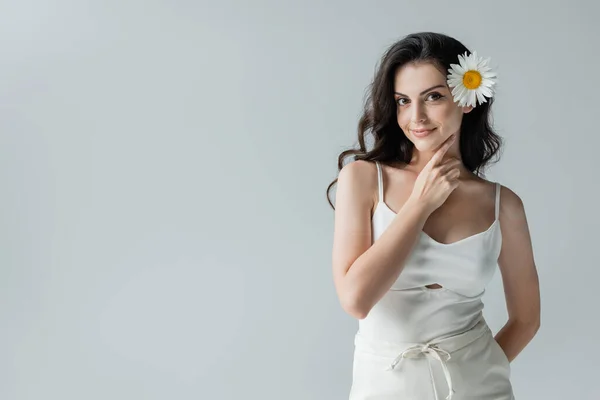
(472,80)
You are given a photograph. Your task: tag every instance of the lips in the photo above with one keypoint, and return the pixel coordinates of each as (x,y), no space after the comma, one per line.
(422,132)
(422,129)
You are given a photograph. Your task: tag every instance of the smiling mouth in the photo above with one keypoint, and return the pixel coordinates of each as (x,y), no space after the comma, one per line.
(422,133)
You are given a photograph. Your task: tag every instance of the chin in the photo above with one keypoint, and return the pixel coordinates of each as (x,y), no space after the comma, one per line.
(428,146)
(430,143)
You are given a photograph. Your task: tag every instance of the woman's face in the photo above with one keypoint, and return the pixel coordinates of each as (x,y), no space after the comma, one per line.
(424,101)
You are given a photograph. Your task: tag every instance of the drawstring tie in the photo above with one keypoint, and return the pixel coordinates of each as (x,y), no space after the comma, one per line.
(428,350)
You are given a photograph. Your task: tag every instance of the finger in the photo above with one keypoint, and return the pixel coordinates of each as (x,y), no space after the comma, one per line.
(452,180)
(450,160)
(454,174)
(446,165)
(449,164)
(446,145)
(439,155)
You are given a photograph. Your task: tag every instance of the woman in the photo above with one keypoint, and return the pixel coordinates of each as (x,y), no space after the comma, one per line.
(419,233)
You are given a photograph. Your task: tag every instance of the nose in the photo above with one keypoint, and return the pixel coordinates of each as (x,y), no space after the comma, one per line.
(418,115)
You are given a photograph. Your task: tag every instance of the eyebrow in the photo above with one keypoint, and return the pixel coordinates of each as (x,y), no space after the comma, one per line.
(423,92)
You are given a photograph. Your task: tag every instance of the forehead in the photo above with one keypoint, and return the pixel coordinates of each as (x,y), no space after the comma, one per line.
(414,78)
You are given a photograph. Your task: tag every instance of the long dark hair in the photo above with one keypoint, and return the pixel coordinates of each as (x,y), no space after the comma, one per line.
(478,141)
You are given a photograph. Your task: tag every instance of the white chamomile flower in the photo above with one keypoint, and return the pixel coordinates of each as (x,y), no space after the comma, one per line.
(471,80)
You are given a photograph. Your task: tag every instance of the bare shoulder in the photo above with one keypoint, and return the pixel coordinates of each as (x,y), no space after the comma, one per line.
(511,205)
(357,182)
(358,168)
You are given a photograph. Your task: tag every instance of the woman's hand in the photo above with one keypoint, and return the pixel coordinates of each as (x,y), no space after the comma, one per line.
(437,180)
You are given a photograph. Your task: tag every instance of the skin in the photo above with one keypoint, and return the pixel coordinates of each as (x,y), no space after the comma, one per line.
(454,219)
(468,210)
(432,109)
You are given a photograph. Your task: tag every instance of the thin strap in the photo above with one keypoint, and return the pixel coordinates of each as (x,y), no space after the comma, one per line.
(379,181)
(497,199)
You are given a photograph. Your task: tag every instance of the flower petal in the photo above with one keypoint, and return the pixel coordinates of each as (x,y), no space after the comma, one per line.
(459,90)
(472,98)
(480,97)
(454,82)
(486,91)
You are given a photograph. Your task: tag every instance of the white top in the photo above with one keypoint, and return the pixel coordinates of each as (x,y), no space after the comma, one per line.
(411,312)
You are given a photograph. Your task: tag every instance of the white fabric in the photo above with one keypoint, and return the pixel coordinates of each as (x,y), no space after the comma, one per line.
(466,366)
(411,313)
(434,351)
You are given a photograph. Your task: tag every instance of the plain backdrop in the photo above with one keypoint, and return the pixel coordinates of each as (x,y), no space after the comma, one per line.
(163,164)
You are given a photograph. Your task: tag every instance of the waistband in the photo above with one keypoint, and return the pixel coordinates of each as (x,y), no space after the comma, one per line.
(449,343)
(437,349)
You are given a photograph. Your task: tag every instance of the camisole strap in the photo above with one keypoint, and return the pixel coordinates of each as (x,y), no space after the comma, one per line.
(379,181)
(497,199)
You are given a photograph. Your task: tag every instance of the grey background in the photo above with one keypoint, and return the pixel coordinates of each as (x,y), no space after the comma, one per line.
(163,165)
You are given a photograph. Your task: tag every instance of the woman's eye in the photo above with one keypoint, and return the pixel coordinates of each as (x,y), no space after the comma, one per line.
(433,96)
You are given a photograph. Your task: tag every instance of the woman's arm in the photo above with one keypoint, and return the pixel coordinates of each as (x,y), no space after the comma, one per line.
(519,277)
(362,272)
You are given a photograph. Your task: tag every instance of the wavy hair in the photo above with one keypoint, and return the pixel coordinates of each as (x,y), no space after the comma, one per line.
(478,141)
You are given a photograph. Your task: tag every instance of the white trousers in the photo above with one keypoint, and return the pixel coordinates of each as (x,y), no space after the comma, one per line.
(470,365)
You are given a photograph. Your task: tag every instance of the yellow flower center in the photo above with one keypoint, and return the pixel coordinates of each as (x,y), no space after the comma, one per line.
(472,79)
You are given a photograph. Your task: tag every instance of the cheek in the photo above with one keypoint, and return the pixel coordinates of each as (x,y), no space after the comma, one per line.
(403,118)
(453,117)
(446,114)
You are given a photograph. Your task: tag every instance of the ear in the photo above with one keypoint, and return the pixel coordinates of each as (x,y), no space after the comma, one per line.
(467,109)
